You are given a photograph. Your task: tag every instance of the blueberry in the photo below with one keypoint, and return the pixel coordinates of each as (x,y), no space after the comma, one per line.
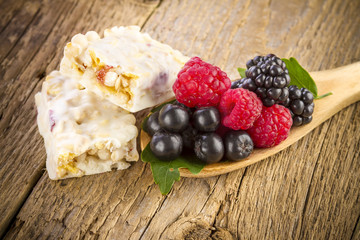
(166,146)
(206,119)
(173,118)
(209,147)
(238,145)
(152,124)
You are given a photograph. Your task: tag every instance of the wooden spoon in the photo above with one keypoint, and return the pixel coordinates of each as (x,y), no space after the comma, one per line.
(343,82)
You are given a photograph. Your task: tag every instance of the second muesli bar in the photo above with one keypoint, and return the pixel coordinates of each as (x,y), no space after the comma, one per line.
(127,67)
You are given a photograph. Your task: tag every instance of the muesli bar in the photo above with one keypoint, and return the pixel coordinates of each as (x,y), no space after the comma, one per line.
(83,133)
(127,67)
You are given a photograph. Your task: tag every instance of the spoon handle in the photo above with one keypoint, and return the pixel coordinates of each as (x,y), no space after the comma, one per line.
(343,82)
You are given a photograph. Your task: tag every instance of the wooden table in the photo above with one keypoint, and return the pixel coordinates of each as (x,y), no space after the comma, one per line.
(308,191)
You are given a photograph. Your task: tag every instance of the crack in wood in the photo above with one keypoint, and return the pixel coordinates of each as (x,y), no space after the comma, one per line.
(152,12)
(211,192)
(152,217)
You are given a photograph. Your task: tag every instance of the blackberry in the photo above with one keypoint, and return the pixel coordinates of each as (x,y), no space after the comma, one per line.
(235,83)
(268,77)
(301,105)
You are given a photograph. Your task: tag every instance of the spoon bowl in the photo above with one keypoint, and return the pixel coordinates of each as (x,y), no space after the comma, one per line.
(343,82)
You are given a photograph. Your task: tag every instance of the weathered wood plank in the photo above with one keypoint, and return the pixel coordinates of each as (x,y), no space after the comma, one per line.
(304,191)
(17,26)
(36,54)
(333,201)
(8,9)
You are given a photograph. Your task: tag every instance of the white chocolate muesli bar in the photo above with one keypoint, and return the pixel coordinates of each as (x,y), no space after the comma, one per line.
(83,133)
(127,67)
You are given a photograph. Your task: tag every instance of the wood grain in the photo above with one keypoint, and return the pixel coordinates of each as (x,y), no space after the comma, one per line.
(309,190)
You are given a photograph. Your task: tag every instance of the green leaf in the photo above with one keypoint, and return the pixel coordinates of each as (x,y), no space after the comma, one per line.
(166,173)
(242,72)
(301,78)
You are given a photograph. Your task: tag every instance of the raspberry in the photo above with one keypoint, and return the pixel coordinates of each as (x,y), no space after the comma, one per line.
(272,127)
(239,108)
(200,84)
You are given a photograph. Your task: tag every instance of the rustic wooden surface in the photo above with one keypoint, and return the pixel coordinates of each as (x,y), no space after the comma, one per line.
(308,191)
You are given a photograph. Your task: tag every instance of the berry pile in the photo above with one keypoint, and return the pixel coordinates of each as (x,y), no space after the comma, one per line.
(177,128)
(217,122)
(268,77)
